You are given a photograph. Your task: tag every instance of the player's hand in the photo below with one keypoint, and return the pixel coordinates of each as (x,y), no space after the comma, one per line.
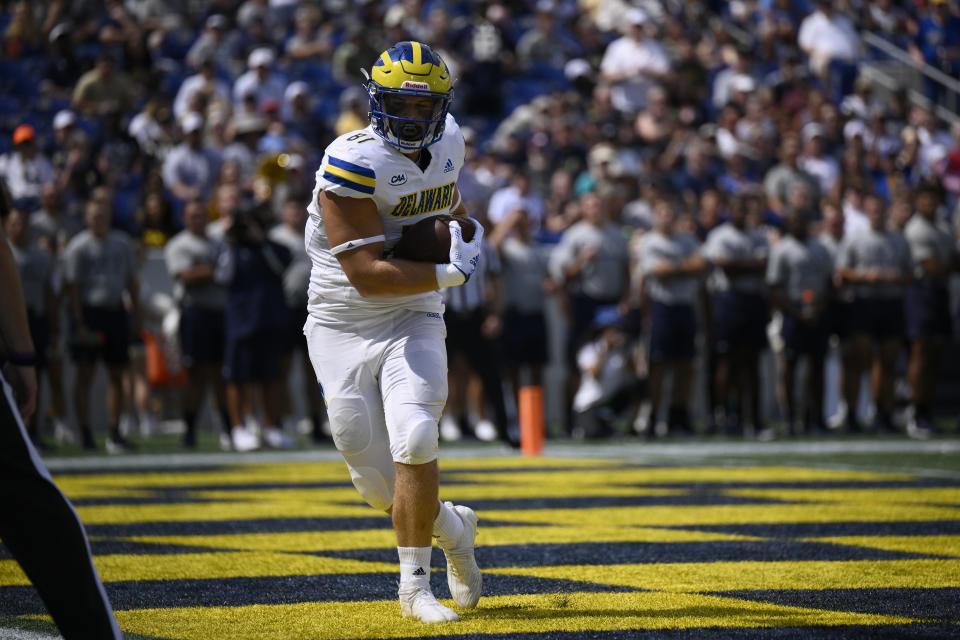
(464,256)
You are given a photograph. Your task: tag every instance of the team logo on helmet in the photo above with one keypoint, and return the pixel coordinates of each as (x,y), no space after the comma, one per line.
(410,92)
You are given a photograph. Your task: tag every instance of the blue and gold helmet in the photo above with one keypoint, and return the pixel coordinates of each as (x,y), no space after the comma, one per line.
(410,93)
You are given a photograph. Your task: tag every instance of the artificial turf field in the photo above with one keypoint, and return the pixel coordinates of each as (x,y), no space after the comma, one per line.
(851,539)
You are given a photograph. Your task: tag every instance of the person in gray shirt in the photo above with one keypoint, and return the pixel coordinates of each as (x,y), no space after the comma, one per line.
(296,279)
(526,282)
(934,255)
(799,274)
(100,273)
(36,271)
(876,265)
(191,257)
(739,313)
(673,271)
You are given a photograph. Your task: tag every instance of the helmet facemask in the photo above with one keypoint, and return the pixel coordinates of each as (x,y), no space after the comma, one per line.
(408,118)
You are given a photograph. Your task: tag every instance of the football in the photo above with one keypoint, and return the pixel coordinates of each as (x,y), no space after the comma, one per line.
(429,239)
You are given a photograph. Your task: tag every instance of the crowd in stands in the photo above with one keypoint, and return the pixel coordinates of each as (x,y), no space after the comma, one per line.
(688,182)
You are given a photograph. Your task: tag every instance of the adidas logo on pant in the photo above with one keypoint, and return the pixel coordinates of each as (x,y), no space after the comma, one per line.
(419,572)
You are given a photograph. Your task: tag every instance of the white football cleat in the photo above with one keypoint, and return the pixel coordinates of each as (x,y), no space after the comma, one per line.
(463,574)
(420,603)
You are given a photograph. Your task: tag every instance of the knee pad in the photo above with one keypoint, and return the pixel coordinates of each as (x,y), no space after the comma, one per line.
(422,442)
(353,427)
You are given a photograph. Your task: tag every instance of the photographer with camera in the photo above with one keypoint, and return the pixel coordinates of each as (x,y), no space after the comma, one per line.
(252,267)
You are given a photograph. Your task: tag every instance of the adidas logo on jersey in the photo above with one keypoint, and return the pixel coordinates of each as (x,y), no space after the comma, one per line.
(448,167)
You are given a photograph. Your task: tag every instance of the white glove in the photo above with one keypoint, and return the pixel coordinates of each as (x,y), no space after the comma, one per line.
(464,256)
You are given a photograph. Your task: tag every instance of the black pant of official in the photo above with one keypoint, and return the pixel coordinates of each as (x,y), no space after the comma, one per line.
(45,535)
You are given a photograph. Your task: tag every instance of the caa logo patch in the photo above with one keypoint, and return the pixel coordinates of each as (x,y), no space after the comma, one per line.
(400,178)
(447,168)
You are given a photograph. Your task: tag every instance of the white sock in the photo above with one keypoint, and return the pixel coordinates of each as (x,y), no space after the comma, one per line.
(414,567)
(448,527)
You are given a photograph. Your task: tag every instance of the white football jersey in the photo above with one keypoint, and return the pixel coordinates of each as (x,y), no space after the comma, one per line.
(361,164)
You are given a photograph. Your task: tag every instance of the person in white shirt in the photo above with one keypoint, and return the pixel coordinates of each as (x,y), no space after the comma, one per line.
(517,195)
(25,170)
(190,169)
(204,80)
(631,62)
(259,80)
(832,42)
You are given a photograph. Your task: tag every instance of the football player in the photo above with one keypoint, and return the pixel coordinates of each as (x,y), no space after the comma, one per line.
(375,328)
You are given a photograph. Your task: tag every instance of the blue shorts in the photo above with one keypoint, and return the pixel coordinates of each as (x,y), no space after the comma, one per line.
(253,358)
(801,339)
(928,311)
(673,332)
(201,336)
(524,338)
(739,321)
(111,331)
(879,318)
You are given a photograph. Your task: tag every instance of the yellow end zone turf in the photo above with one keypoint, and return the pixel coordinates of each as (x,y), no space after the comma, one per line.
(684,535)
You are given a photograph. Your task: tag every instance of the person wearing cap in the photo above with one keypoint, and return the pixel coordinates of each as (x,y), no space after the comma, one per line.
(876,264)
(259,79)
(933,251)
(25,169)
(673,269)
(103,90)
(546,43)
(632,61)
(813,159)
(204,80)
(190,169)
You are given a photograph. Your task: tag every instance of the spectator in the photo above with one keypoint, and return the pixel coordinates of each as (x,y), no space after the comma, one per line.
(518,195)
(814,161)
(876,264)
(474,319)
(25,170)
(251,268)
(190,258)
(831,41)
(99,270)
(309,39)
(215,43)
(259,80)
(354,53)
(544,44)
(248,129)
(189,170)
(631,62)
(36,277)
(205,80)
(937,43)
(779,180)
(609,387)
(526,282)
(739,310)
(672,268)
(933,252)
(799,274)
(103,91)
(296,279)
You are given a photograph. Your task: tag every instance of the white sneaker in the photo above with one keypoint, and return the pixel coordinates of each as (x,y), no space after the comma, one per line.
(449,429)
(243,440)
(485,431)
(463,574)
(62,434)
(420,603)
(277,439)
